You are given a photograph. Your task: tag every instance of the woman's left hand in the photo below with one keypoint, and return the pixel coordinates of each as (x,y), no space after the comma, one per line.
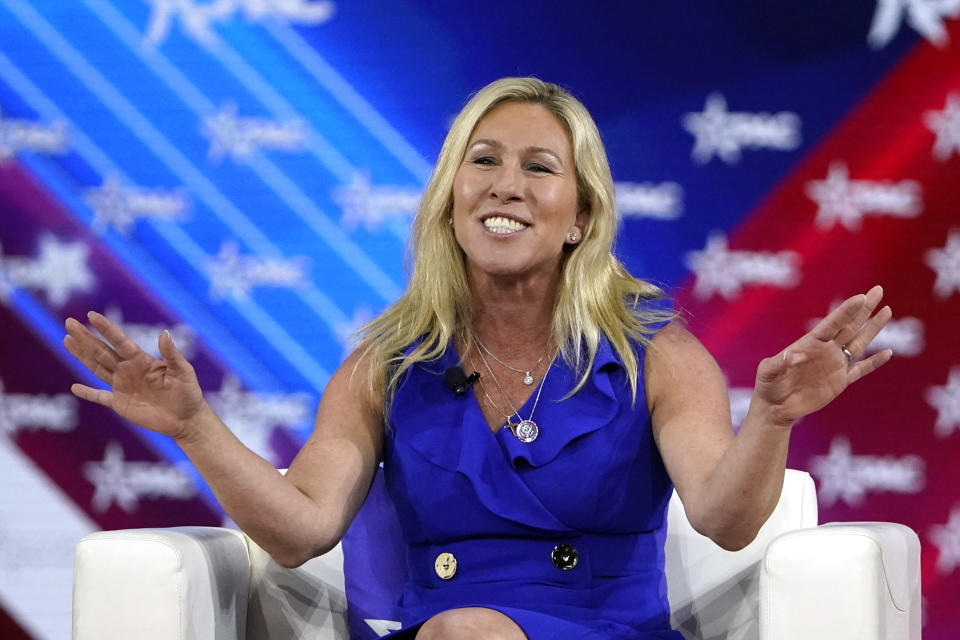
(811,372)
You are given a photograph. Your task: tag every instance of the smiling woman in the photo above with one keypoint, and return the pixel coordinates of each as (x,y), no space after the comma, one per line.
(552,527)
(515,196)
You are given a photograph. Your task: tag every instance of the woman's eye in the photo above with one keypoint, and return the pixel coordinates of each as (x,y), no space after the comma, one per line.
(539,168)
(484,160)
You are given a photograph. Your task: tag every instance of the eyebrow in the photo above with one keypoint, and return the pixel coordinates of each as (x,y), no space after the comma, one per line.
(496,144)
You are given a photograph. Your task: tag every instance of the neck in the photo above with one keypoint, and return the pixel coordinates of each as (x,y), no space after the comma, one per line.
(512,315)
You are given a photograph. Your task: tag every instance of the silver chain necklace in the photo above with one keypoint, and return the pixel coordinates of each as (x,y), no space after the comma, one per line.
(525,430)
(527,378)
(494,404)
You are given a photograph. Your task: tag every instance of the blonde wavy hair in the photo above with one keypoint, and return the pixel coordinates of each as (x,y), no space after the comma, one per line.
(596,294)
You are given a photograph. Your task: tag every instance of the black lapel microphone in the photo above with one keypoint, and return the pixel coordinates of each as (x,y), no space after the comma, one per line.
(457,381)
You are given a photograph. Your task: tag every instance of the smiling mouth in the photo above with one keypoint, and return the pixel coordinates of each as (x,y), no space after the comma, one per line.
(502,225)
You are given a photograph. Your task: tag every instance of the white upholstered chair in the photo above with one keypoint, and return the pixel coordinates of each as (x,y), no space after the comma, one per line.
(797,580)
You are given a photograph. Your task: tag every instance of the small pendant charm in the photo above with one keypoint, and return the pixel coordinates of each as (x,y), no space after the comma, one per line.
(527,431)
(528,379)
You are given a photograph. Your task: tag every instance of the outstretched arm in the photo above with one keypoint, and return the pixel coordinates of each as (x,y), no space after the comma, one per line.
(730,484)
(293,518)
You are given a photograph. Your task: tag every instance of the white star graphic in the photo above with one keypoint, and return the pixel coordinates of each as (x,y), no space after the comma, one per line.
(947,538)
(354,200)
(946,124)
(61,269)
(925,16)
(837,474)
(222,130)
(712,133)
(110,206)
(110,481)
(710,266)
(946,262)
(228,278)
(946,400)
(835,198)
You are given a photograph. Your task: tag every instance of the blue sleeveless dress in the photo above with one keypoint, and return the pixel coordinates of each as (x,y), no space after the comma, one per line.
(593,480)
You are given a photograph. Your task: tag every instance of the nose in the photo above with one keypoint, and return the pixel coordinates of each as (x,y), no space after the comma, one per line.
(507,183)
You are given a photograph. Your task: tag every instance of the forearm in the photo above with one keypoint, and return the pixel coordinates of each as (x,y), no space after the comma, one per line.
(745,485)
(266,506)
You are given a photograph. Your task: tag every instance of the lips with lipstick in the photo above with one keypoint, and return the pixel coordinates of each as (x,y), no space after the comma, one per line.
(504,225)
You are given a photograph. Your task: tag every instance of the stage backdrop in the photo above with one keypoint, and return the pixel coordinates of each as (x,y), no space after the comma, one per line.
(244,172)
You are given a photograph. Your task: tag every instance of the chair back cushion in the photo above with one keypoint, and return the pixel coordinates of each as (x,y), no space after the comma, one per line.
(715,593)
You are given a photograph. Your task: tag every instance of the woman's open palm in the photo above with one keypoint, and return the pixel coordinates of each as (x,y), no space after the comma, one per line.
(161,395)
(815,369)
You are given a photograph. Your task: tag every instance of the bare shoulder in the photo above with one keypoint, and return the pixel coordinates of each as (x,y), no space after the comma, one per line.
(351,382)
(674,335)
(675,358)
(348,403)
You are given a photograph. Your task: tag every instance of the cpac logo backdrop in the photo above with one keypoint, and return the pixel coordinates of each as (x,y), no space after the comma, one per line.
(725,133)
(243,173)
(23,135)
(59,271)
(197,18)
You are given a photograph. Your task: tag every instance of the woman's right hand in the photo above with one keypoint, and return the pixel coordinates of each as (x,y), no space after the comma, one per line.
(161,395)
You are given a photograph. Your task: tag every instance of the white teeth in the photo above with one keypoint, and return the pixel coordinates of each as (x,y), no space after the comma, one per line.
(499,224)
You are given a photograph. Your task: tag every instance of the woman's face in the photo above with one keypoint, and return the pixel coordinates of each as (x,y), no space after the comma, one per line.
(515,193)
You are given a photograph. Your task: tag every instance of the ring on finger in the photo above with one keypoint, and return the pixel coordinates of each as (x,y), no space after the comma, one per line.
(847,352)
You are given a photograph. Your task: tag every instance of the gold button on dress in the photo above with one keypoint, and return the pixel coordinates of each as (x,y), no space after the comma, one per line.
(445,565)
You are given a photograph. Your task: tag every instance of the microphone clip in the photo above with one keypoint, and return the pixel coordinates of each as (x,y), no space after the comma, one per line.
(458,381)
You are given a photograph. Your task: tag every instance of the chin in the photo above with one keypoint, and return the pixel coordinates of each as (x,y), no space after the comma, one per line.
(508,268)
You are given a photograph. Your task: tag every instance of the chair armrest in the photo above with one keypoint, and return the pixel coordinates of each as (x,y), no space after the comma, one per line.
(842,580)
(183,583)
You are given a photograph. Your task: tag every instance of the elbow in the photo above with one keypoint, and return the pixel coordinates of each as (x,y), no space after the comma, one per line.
(730,534)
(289,560)
(292,556)
(733,540)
